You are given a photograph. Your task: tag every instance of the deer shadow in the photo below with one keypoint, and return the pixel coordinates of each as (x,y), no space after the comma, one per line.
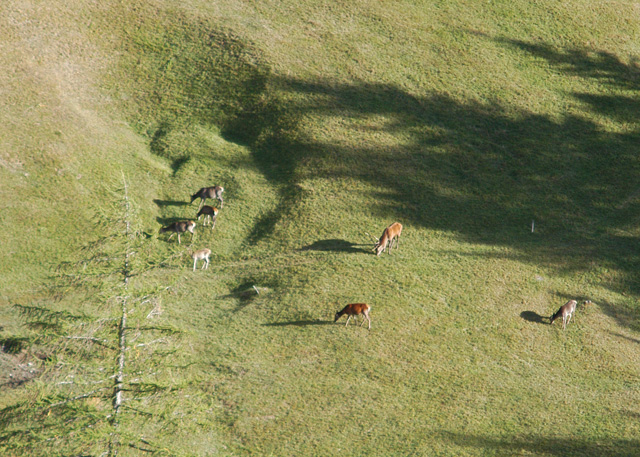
(532,316)
(163,203)
(166,221)
(334,245)
(300,323)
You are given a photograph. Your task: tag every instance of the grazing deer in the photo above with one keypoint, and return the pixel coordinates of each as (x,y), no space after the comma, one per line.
(202,254)
(390,233)
(209,192)
(180,227)
(566,311)
(355,309)
(208,212)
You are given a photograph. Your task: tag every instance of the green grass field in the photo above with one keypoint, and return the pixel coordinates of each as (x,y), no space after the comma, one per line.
(465,121)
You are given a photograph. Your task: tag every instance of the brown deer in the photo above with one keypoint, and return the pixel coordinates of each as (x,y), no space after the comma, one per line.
(209,212)
(202,254)
(180,227)
(390,233)
(566,311)
(355,309)
(209,192)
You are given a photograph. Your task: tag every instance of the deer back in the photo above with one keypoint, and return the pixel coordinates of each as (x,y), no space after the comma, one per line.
(390,232)
(201,254)
(354,309)
(208,210)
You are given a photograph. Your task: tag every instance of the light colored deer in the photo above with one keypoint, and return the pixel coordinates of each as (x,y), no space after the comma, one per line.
(180,227)
(202,254)
(209,192)
(209,212)
(355,309)
(566,311)
(390,233)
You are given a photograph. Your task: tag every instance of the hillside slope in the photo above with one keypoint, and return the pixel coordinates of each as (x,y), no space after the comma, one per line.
(502,135)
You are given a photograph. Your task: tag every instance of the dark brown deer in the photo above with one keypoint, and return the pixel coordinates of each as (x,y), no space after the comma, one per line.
(355,309)
(180,227)
(566,311)
(202,254)
(390,233)
(209,212)
(209,192)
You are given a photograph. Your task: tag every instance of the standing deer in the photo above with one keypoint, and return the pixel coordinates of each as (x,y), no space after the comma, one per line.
(209,192)
(355,309)
(566,311)
(180,227)
(202,254)
(390,233)
(209,212)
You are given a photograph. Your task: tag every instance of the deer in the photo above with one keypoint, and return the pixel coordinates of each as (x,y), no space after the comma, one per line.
(390,233)
(566,311)
(355,309)
(209,192)
(202,254)
(208,212)
(180,227)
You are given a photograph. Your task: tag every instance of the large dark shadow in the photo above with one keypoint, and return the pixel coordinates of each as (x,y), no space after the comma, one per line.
(624,315)
(532,316)
(481,170)
(245,293)
(543,445)
(336,245)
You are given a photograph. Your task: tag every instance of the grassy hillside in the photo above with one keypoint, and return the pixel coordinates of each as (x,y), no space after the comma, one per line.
(324,123)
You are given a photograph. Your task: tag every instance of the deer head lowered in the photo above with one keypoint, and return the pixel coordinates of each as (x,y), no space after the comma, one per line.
(180,227)
(386,240)
(354,310)
(209,192)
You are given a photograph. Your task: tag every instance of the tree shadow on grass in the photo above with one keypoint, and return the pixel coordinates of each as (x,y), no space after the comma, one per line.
(623,314)
(479,170)
(335,245)
(628,338)
(559,447)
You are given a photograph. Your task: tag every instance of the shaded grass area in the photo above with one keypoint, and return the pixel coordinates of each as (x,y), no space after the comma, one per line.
(545,445)
(482,170)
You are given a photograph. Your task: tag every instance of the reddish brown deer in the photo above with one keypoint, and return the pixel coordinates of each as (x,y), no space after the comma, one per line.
(355,309)
(566,311)
(390,233)
(209,192)
(180,227)
(210,213)
(202,254)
